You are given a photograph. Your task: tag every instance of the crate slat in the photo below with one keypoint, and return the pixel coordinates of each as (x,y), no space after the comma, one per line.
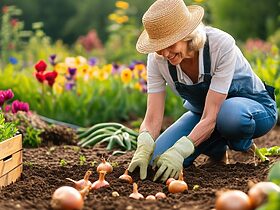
(10,177)
(12,162)
(10,146)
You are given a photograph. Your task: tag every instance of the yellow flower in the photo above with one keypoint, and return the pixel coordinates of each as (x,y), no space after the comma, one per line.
(140,66)
(103,75)
(82,70)
(61,68)
(198,1)
(107,68)
(144,75)
(80,60)
(122,5)
(94,72)
(60,80)
(113,16)
(57,88)
(121,19)
(126,76)
(137,86)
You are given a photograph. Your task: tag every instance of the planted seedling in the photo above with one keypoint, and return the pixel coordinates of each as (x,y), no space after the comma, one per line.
(82,159)
(126,177)
(63,162)
(101,182)
(135,194)
(83,183)
(104,166)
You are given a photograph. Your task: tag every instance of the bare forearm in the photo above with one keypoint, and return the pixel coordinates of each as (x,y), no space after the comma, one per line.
(152,126)
(202,131)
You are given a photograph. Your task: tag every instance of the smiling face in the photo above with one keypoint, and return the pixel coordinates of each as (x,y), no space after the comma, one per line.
(176,52)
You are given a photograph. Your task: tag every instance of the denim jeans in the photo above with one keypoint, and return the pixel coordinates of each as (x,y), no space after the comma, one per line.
(238,122)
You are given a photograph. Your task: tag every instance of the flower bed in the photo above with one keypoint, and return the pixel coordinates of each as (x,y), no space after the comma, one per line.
(46,168)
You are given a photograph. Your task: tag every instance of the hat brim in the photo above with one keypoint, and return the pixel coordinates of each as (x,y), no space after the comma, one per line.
(146,45)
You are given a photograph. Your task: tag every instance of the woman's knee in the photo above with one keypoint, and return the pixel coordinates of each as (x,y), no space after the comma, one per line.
(235,121)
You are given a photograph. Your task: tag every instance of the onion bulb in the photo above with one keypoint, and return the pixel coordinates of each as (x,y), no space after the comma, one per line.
(233,200)
(150,197)
(168,181)
(67,198)
(178,186)
(160,195)
(83,183)
(258,192)
(101,182)
(136,194)
(126,177)
(104,166)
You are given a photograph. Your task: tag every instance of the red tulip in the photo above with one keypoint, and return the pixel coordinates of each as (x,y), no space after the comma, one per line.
(41,66)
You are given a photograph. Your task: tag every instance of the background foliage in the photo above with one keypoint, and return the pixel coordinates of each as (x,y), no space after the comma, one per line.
(33,30)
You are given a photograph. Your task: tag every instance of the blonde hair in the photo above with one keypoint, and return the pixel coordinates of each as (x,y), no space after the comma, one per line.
(197,38)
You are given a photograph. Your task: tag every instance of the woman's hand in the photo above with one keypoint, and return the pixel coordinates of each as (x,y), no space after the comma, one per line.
(170,162)
(142,155)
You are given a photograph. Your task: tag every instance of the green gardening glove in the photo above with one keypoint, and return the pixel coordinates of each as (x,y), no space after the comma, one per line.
(142,155)
(170,163)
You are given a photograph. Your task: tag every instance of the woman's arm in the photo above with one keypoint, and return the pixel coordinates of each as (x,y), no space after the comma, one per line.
(154,114)
(207,123)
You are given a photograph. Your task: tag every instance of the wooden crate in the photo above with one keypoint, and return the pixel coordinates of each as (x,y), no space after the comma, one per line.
(10,160)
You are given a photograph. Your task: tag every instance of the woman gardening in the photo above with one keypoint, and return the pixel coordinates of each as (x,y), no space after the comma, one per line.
(228,105)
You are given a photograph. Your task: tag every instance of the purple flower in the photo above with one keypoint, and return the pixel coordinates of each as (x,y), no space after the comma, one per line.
(72,71)
(8,108)
(8,94)
(116,69)
(69,85)
(19,106)
(92,61)
(2,98)
(52,59)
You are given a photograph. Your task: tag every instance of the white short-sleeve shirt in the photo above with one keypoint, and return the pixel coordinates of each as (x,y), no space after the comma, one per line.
(227,63)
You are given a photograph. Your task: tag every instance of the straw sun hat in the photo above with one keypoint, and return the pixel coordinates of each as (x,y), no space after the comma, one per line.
(167,22)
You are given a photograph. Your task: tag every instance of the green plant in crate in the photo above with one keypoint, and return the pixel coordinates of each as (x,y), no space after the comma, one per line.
(7,129)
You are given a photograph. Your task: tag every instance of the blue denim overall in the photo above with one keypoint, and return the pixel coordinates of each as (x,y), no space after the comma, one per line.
(242,117)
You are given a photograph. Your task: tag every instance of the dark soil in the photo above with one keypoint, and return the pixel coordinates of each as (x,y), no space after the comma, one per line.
(44,172)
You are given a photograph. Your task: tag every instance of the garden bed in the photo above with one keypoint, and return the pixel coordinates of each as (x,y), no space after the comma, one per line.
(46,168)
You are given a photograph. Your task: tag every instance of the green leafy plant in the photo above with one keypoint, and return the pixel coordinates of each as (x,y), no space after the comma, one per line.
(115,135)
(82,159)
(32,137)
(7,129)
(63,162)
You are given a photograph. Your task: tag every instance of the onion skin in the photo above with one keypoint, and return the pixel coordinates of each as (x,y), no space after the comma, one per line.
(126,177)
(233,200)
(104,166)
(258,192)
(150,197)
(83,183)
(168,181)
(67,198)
(101,182)
(178,186)
(136,195)
(160,195)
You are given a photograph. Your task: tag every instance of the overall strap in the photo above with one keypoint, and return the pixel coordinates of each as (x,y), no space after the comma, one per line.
(173,71)
(206,61)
